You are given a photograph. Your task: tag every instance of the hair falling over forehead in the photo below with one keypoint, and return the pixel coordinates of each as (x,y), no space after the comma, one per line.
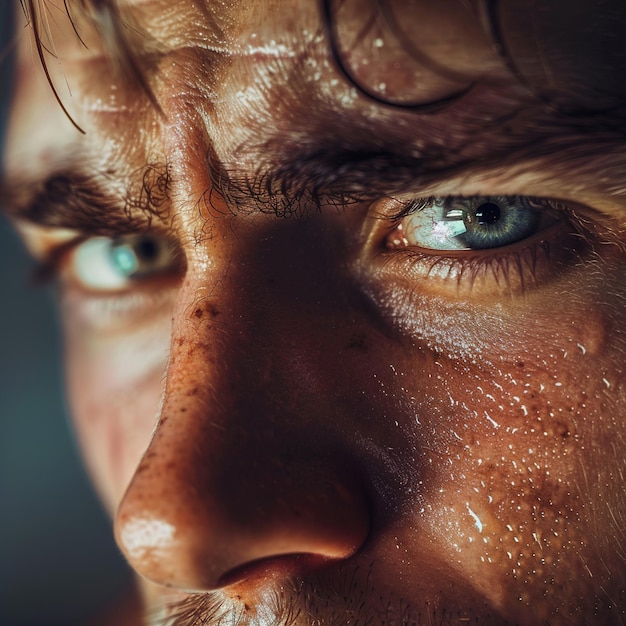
(36,12)
(121,39)
(105,17)
(563,87)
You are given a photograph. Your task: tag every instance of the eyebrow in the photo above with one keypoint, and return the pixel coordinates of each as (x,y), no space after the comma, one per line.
(338,169)
(69,199)
(347,164)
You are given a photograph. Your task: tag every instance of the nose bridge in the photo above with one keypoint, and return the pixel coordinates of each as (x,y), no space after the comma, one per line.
(233,474)
(237,334)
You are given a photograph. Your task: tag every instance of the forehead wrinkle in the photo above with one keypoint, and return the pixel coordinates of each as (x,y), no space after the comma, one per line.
(179,24)
(165,43)
(490,124)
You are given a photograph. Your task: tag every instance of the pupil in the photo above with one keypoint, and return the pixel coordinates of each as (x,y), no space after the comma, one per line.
(487,213)
(147,249)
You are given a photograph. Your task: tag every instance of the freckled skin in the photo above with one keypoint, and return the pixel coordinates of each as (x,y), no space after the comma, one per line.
(303,413)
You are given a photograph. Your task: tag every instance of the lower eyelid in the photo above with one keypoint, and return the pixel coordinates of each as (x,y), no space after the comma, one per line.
(498,272)
(111,312)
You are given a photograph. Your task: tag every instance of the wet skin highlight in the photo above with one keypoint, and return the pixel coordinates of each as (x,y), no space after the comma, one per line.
(295,414)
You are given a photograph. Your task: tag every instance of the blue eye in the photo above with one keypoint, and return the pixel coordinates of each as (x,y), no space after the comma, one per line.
(105,264)
(475,223)
(137,256)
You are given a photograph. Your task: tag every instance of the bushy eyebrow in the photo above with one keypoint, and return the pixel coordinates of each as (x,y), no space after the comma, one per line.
(344,163)
(341,165)
(67,199)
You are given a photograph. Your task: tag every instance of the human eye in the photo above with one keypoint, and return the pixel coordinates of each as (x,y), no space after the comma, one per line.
(479,246)
(106,265)
(474,223)
(110,283)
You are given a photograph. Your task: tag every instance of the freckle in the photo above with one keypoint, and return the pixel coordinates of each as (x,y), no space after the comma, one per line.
(561,429)
(520,364)
(198,313)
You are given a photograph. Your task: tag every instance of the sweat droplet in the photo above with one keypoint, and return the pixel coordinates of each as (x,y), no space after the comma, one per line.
(477,521)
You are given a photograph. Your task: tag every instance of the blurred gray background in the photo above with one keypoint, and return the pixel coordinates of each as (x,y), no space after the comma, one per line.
(58,563)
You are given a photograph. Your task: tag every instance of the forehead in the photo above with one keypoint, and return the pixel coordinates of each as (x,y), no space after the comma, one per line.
(243,79)
(435,46)
(259,63)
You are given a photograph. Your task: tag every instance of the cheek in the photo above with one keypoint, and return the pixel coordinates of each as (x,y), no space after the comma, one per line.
(523,455)
(114,385)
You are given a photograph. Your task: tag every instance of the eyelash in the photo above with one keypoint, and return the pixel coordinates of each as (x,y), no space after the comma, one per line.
(505,268)
(510,269)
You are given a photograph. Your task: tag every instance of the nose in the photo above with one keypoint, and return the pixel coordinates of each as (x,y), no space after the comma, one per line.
(241,479)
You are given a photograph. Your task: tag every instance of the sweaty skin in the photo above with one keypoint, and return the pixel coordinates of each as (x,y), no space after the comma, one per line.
(303,416)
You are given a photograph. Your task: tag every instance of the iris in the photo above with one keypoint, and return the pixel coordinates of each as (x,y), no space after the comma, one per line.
(474,223)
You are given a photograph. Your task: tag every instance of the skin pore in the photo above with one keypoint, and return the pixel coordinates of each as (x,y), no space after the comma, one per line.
(302,400)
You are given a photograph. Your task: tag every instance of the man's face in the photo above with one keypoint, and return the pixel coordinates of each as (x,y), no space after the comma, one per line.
(333,360)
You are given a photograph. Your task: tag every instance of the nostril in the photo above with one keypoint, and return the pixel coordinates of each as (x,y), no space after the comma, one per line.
(194,518)
(260,572)
(208,548)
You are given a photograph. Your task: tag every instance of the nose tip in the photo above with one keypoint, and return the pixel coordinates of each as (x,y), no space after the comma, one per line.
(190,540)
